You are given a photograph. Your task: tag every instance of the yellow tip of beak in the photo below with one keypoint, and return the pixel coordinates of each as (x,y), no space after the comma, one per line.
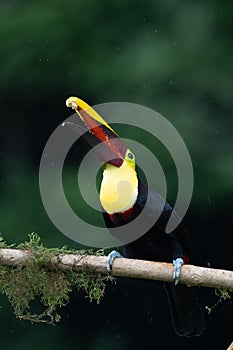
(72,102)
(78,105)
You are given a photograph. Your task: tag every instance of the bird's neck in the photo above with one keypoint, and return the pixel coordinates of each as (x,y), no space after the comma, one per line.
(119,188)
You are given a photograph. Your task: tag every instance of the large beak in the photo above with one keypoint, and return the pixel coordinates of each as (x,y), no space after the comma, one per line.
(113,150)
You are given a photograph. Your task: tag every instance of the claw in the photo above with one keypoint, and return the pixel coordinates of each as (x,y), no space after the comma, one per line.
(177,263)
(111,257)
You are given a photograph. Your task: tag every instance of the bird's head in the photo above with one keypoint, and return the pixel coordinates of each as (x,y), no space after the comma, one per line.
(113,150)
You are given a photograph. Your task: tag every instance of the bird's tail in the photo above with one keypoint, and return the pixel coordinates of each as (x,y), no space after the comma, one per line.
(187,315)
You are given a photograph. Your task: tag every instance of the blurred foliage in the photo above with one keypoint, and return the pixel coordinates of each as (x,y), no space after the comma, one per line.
(175,57)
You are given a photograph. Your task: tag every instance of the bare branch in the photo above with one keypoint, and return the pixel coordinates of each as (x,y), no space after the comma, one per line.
(190,275)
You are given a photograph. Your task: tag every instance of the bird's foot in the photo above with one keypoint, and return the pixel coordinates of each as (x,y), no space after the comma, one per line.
(111,257)
(177,263)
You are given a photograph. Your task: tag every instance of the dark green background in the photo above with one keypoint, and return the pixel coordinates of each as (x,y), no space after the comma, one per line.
(175,57)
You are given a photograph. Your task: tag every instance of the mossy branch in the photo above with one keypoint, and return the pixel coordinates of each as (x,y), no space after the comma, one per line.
(32,272)
(190,275)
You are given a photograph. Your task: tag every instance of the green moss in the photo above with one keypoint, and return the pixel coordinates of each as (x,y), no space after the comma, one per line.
(2,242)
(222,294)
(25,284)
(92,283)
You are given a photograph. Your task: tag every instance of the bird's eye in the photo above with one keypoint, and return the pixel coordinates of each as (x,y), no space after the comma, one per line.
(130,155)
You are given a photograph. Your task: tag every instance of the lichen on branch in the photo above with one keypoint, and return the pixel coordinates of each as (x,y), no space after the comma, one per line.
(35,279)
(32,272)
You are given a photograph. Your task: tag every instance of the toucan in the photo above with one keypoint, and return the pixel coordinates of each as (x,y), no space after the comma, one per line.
(123,196)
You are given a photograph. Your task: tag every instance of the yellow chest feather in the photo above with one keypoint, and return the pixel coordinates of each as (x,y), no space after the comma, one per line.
(119,188)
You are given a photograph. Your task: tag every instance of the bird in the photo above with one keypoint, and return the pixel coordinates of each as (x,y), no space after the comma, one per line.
(123,197)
